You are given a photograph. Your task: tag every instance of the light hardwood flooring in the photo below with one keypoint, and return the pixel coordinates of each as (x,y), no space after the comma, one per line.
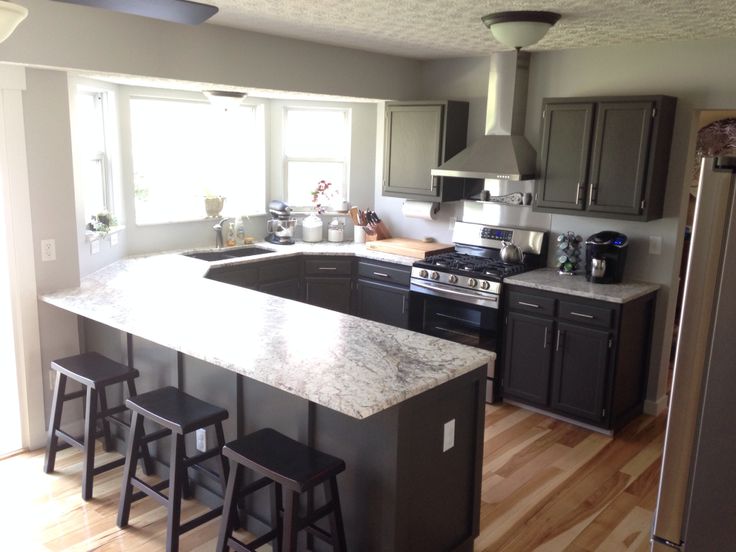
(548,486)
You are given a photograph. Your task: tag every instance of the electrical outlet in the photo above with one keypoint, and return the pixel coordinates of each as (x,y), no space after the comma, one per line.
(94,247)
(448,436)
(655,245)
(452,223)
(113,240)
(48,250)
(201,435)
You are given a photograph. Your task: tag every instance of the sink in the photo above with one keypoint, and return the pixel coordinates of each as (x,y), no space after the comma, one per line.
(231,254)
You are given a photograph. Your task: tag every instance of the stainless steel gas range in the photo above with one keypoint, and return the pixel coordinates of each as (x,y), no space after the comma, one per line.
(457,295)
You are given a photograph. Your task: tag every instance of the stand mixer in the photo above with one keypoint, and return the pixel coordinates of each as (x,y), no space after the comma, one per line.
(281,225)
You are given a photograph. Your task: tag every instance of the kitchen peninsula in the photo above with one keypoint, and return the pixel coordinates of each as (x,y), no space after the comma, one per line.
(404,410)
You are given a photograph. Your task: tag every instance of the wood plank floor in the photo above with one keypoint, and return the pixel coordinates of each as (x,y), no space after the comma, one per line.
(548,486)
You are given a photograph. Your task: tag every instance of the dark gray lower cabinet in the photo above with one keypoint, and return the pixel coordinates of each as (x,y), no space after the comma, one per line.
(583,359)
(238,276)
(527,358)
(387,303)
(329,292)
(287,289)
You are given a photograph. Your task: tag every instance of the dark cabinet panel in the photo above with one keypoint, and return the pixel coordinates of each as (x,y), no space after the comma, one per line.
(288,289)
(564,154)
(385,303)
(579,372)
(620,154)
(330,293)
(527,355)
(238,276)
(616,170)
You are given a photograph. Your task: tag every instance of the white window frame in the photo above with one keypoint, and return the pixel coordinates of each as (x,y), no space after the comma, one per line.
(347,112)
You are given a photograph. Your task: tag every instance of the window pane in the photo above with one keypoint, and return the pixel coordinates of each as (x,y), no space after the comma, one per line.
(316,133)
(303,177)
(184,150)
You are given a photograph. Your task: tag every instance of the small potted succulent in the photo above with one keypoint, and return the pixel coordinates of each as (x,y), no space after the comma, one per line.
(101,223)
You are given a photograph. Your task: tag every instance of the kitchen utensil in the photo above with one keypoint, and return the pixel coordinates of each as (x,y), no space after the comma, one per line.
(281,225)
(354,215)
(510,253)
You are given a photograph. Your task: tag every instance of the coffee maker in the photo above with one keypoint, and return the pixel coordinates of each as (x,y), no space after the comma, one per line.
(605,257)
(281,225)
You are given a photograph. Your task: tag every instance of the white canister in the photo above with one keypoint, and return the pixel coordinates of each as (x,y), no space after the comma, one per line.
(336,231)
(312,229)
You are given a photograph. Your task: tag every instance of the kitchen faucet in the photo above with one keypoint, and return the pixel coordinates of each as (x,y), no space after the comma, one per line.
(219,240)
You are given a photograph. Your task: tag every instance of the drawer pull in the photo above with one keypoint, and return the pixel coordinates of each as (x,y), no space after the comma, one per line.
(582,315)
(528,304)
(545,337)
(327,268)
(381,274)
(557,347)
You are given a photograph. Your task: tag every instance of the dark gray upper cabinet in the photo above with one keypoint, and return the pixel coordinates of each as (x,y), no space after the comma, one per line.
(605,157)
(419,136)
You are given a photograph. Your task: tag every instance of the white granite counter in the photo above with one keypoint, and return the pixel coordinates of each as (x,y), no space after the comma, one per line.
(348,364)
(548,279)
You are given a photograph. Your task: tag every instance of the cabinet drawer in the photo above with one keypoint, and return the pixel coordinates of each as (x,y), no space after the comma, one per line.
(531,303)
(277,271)
(586,314)
(327,267)
(384,273)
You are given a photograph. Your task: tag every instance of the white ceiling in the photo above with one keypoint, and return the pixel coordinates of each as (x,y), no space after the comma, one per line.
(452,28)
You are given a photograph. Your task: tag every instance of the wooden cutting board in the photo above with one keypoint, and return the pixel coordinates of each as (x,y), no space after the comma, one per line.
(409,248)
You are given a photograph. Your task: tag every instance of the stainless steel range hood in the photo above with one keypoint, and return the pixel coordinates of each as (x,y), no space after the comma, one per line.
(503,153)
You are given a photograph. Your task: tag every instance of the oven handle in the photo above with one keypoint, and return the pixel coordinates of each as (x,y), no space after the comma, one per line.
(442,292)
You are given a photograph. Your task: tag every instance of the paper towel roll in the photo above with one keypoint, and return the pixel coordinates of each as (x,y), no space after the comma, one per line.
(425,210)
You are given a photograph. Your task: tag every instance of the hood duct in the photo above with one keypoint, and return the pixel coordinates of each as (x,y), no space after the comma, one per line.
(503,153)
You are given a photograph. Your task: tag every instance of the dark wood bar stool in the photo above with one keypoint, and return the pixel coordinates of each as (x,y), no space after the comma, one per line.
(293,468)
(179,414)
(95,372)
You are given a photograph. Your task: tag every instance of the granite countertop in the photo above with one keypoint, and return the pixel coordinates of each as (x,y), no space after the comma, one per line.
(548,279)
(354,366)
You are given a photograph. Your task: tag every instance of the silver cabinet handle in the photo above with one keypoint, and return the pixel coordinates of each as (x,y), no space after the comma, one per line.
(582,315)
(381,274)
(327,268)
(545,337)
(403,304)
(557,347)
(528,304)
(577,193)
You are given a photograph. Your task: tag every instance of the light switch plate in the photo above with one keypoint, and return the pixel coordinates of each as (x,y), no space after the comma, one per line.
(448,435)
(655,245)
(94,247)
(113,240)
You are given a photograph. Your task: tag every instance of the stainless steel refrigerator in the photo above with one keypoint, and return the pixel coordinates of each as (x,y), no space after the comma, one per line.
(696,505)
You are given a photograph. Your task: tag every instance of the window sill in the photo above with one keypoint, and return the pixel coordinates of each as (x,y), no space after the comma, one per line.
(93,236)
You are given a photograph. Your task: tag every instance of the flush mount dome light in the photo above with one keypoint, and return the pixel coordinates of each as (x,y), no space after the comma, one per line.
(10,16)
(226,99)
(519,29)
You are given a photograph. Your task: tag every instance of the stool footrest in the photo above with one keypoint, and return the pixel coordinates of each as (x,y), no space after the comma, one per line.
(190,460)
(205,471)
(111,411)
(157,487)
(199,520)
(319,533)
(74,395)
(255,485)
(151,491)
(70,441)
(319,513)
(155,436)
(110,465)
(253,545)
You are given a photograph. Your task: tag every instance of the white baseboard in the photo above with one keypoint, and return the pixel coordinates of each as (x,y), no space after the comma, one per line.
(654,408)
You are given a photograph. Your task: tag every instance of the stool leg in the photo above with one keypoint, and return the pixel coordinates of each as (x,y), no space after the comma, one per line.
(337,529)
(131,459)
(230,507)
(56,409)
(90,430)
(105,424)
(176,473)
(291,529)
(148,467)
(276,522)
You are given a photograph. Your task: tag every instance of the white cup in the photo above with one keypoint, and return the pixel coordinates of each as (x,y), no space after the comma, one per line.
(358,234)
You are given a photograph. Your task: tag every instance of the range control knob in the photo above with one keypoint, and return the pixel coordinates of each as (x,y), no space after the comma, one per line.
(423,273)
(485,285)
(435,275)
(452,279)
(472,282)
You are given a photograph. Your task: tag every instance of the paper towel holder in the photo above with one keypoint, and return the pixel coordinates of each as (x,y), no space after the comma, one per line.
(435,206)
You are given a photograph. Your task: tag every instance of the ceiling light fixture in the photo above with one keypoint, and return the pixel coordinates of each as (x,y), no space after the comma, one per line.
(519,29)
(226,99)
(10,16)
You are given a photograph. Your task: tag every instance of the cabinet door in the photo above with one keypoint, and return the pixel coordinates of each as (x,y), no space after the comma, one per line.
(288,289)
(563,164)
(527,357)
(330,293)
(620,155)
(579,371)
(412,148)
(383,303)
(243,277)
